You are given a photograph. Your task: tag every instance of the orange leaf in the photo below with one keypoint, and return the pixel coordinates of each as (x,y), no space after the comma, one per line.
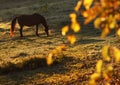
(88,20)
(71,39)
(85,13)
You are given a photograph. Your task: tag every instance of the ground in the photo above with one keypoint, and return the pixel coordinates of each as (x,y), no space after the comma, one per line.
(79,60)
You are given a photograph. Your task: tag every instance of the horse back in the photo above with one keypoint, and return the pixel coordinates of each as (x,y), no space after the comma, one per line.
(30,20)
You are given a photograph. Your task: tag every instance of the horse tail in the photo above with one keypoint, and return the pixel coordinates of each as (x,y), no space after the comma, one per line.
(13,23)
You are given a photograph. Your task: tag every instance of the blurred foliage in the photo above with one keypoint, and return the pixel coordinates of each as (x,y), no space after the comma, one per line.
(56,54)
(106,16)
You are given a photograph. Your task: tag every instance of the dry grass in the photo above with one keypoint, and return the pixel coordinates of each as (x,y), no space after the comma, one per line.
(22,60)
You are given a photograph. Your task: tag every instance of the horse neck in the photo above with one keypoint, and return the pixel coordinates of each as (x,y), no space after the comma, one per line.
(44,23)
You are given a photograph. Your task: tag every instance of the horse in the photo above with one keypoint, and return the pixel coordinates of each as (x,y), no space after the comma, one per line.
(29,20)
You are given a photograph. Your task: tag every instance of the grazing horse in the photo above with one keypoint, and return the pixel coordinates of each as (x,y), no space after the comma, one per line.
(29,20)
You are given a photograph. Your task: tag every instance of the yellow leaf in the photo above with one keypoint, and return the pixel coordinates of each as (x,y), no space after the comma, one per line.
(118,32)
(85,14)
(77,7)
(116,54)
(87,3)
(112,24)
(95,76)
(92,82)
(49,59)
(99,66)
(112,21)
(97,23)
(105,31)
(75,26)
(105,53)
(71,39)
(110,68)
(73,17)
(65,30)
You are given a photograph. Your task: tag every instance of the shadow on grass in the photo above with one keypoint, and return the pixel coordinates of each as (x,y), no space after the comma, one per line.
(35,63)
(88,41)
(37,68)
(20,55)
(16,74)
(2,29)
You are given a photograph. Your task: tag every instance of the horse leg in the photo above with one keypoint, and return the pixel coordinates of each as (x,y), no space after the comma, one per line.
(37,30)
(21,28)
(46,30)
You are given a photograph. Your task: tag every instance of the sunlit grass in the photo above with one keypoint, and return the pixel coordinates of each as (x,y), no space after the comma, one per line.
(5,25)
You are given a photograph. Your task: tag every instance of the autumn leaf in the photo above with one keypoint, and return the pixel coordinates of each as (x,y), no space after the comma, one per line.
(105,75)
(118,32)
(75,27)
(110,68)
(116,53)
(112,21)
(71,39)
(97,23)
(88,20)
(85,14)
(65,30)
(77,7)
(105,53)
(105,31)
(49,59)
(92,82)
(95,76)
(112,24)
(87,3)
(99,66)
(103,3)
(73,17)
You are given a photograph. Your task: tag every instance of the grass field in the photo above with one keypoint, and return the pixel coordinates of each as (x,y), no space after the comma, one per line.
(29,52)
